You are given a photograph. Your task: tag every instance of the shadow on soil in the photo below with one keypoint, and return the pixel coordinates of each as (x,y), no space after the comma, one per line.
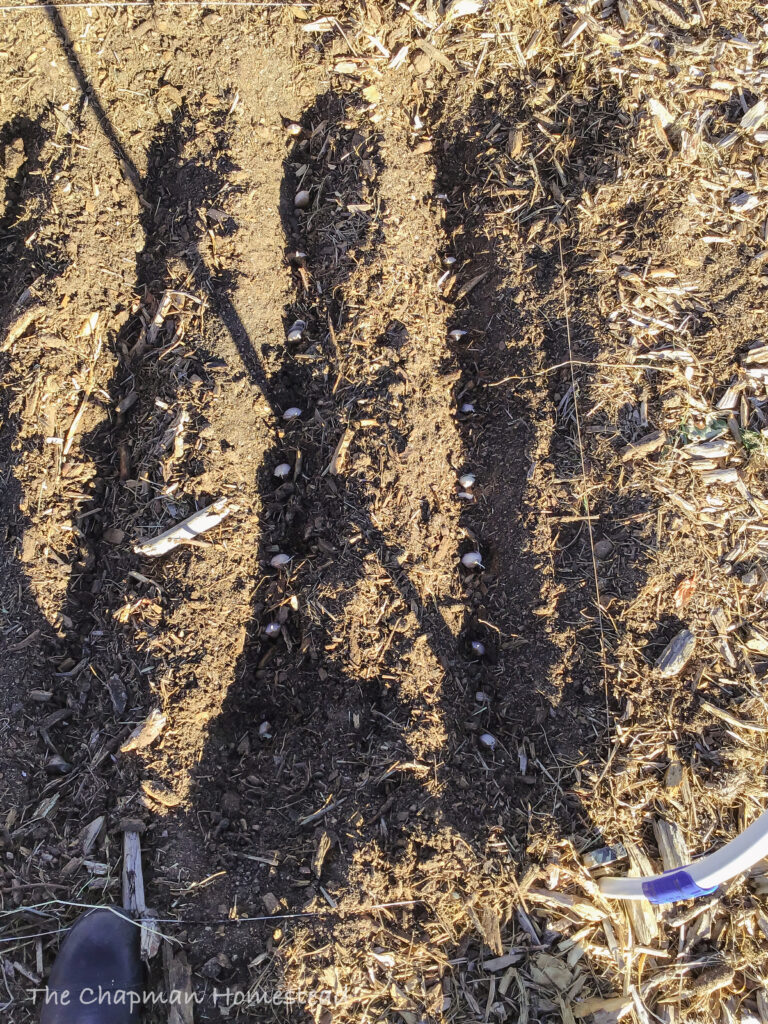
(29,639)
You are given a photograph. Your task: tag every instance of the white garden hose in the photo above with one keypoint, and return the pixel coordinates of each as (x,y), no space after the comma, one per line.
(700,878)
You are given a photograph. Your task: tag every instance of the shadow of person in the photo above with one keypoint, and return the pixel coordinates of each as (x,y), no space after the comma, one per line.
(517,359)
(346,749)
(28,638)
(35,765)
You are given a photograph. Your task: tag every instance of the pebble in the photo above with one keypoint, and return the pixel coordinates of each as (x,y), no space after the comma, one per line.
(603,548)
(604,856)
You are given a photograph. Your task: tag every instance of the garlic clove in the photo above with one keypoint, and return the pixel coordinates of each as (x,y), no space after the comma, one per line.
(282,471)
(272,628)
(467,407)
(279,561)
(297,330)
(292,414)
(488,741)
(472,560)
(301,200)
(467,480)
(478,648)
(456,335)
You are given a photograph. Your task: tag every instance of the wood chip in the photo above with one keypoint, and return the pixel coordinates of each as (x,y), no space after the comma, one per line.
(180,980)
(726,716)
(336,464)
(146,733)
(188,529)
(580,907)
(160,794)
(676,654)
(641,914)
(501,963)
(19,325)
(321,852)
(91,833)
(644,446)
(672,847)
(465,289)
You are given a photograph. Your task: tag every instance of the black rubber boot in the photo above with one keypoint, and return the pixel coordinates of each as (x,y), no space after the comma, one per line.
(97,977)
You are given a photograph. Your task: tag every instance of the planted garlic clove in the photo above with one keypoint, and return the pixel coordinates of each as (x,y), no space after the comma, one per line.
(293,129)
(265,731)
(456,335)
(279,561)
(282,471)
(467,480)
(478,648)
(466,495)
(472,560)
(301,201)
(449,261)
(272,629)
(481,697)
(488,741)
(297,330)
(467,407)
(292,414)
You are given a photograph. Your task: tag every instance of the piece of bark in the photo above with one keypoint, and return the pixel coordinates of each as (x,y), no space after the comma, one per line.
(676,654)
(641,914)
(672,847)
(643,446)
